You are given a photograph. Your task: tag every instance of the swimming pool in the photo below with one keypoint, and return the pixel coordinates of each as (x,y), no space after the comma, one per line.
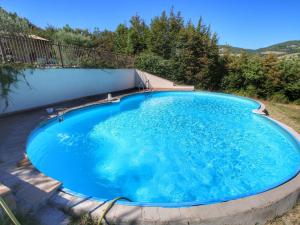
(167,149)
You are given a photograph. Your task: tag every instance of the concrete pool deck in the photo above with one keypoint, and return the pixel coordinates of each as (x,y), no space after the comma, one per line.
(33,190)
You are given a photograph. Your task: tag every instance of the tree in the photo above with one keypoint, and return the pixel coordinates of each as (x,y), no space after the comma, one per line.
(176,23)
(137,35)
(104,41)
(159,36)
(290,70)
(64,36)
(214,71)
(12,23)
(121,39)
(272,73)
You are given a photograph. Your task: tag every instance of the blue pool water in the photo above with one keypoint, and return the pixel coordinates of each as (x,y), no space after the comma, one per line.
(167,148)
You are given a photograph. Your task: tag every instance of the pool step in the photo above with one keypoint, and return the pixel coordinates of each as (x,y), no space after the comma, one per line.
(31,188)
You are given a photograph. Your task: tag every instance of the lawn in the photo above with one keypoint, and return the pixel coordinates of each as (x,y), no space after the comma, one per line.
(286,113)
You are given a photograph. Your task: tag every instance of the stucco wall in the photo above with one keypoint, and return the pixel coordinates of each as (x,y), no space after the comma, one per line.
(155,82)
(49,86)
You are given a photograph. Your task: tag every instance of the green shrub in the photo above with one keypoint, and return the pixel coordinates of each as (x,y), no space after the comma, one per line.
(297,102)
(280,98)
(292,90)
(155,64)
(252,91)
(243,92)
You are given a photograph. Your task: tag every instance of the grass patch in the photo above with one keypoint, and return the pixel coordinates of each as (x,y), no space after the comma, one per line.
(285,113)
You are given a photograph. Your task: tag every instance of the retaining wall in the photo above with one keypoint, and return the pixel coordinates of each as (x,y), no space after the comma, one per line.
(48,86)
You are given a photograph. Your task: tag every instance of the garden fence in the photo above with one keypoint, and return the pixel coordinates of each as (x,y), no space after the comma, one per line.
(32,49)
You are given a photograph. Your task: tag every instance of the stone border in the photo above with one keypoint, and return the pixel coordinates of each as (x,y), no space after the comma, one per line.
(251,210)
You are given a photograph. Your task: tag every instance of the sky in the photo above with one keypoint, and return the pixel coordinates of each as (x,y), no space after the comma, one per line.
(241,23)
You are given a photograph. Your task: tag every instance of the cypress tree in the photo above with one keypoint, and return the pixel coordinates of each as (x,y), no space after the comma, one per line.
(121,39)
(137,35)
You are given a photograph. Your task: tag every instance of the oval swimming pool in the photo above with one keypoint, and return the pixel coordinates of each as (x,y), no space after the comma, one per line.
(166,149)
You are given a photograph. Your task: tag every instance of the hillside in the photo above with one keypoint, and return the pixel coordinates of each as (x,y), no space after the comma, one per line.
(234,50)
(287,47)
(284,49)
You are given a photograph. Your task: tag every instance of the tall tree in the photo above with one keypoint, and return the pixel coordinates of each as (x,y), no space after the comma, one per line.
(104,41)
(121,39)
(272,72)
(137,35)
(159,37)
(176,23)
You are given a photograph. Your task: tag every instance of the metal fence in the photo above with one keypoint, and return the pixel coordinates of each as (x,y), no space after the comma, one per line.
(41,52)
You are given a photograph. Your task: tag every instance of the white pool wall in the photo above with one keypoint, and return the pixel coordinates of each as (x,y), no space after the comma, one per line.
(51,85)
(157,82)
(42,87)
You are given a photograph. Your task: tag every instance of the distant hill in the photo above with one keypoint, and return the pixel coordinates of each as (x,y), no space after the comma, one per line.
(234,50)
(284,49)
(288,47)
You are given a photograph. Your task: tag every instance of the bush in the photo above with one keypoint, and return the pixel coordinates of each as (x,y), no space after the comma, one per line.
(280,98)
(251,91)
(292,90)
(290,72)
(243,92)
(297,102)
(264,77)
(155,64)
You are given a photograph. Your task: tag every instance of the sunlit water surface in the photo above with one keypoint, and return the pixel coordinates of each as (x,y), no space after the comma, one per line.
(171,147)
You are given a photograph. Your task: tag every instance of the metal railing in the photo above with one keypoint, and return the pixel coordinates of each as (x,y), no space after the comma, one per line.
(41,52)
(144,84)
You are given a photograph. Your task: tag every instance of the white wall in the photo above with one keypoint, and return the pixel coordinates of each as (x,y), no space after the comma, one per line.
(156,82)
(49,86)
